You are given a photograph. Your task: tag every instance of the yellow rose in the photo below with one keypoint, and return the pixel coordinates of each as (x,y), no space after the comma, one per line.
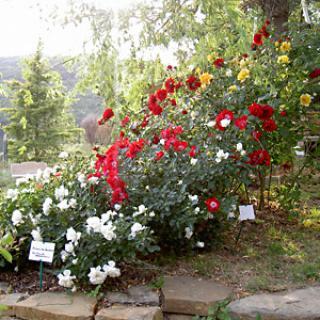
(307,223)
(305,100)
(243,74)
(276,43)
(205,78)
(283,59)
(198,70)
(285,46)
(210,57)
(232,88)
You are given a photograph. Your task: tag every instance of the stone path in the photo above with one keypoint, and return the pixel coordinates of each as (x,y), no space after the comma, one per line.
(181,299)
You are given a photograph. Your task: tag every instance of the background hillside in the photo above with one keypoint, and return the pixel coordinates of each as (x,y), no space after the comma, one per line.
(10,68)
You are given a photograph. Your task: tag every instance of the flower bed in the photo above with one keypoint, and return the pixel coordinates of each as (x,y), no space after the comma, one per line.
(174,175)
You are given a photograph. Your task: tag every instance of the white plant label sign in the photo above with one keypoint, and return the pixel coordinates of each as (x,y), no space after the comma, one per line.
(41,251)
(246,212)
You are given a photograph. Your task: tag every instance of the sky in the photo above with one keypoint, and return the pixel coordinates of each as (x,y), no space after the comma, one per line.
(21,27)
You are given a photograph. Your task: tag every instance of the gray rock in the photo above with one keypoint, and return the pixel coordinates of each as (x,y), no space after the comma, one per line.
(9,301)
(135,295)
(4,286)
(187,295)
(56,306)
(302,304)
(130,313)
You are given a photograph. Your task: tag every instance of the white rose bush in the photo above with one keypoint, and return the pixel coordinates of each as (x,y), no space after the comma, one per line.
(60,205)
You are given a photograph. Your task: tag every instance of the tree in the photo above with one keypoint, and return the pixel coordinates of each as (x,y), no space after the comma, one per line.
(39,121)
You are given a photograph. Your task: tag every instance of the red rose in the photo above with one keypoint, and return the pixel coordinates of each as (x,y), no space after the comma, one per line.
(173,102)
(241,122)
(180,145)
(169,67)
(153,105)
(212,204)
(218,63)
(269,125)
(192,152)
(124,121)
(266,112)
(315,73)
(193,83)
(257,39)
(255,109)
(161,94)
(224,114)
(283,113)
(170,85)
(159,155)
(184,111)
(259,157)
(155,139)
(107,114)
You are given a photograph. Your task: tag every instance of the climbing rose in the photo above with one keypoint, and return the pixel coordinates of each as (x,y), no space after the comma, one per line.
(124,121)
(259,157)
(107,114)
(170,85)
(193,83)
(241,122)
(212,204)
(161,94)
(269,125)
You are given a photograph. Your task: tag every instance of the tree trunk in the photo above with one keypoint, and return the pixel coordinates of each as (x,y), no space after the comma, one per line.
(277,11)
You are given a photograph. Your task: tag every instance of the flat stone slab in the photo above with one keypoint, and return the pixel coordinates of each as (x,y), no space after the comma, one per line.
(171,316)
(56,306)
(10,301)
(188,295)
(301,304)
(130,313)
(135,295)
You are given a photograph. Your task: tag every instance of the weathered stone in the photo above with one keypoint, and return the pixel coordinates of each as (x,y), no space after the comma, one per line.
(187,295)
(135,295)
(9,301)
(4,286)
(171,316)
(130,313)
(56,306)
(302,304)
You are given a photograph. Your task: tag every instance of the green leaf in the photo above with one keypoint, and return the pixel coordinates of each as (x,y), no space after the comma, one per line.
(7,239)
(6,254)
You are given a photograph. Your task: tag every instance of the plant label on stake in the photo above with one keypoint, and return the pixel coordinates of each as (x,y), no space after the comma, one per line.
(246,212)
(43,252)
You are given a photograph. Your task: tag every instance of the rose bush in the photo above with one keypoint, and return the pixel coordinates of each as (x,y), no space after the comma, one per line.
(177,170)
(67,205)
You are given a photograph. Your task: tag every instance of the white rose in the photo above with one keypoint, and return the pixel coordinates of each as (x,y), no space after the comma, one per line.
(17,217)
